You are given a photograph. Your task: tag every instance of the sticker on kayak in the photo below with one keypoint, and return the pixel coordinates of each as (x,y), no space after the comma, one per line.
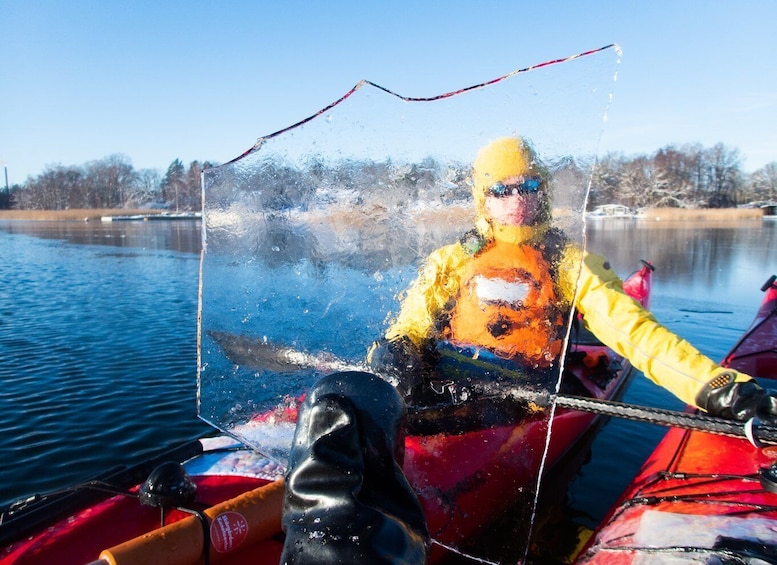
(374,236)
(228,531)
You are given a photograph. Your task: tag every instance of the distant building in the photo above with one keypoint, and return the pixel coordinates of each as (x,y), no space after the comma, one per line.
(768,207)
(612,211)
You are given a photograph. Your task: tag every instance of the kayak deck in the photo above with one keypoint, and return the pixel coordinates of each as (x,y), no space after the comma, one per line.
(225,470)
(698,495)
(442,468)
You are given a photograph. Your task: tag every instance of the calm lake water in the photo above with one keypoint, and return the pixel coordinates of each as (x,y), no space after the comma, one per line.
(98,328)
(97,347)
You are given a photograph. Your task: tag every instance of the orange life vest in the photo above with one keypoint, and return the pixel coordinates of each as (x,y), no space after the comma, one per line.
(508,303)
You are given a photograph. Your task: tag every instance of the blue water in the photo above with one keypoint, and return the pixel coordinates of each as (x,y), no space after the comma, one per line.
(98,330)
(97,353)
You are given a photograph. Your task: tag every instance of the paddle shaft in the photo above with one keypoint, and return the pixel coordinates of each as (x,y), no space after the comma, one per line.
(763,433)
(248,351)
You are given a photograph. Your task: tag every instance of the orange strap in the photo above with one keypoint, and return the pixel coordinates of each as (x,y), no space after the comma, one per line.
(234,524)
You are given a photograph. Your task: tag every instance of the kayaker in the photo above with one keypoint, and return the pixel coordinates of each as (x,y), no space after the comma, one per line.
(503,291)
(507,286)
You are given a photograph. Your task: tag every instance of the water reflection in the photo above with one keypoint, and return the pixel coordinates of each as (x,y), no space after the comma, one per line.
(181,236)
(692,257)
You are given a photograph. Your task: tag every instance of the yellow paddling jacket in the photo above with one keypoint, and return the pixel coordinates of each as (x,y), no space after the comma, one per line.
(458,294)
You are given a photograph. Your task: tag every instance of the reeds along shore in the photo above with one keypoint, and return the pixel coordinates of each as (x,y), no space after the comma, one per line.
(80,215)
(656,214)
(713,214)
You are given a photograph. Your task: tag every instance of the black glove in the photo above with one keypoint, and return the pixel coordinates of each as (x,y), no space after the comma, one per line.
(347,499)
(738,400)
(405,363)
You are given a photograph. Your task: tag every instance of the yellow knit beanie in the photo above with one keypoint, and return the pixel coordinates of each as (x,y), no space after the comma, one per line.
(501,159)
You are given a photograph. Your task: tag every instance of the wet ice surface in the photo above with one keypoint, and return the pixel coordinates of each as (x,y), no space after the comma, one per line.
(312,237)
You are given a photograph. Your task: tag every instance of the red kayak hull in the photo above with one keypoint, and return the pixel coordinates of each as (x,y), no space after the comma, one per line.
(693,481)
(463,490)
(699,495)
(756,352)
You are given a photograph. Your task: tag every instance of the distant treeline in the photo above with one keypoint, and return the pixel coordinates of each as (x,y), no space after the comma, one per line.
(688,176)
(111,182)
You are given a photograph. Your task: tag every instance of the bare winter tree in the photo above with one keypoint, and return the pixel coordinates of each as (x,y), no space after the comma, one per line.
(763,183)
(108,182)
(56,188)
(724,177)
(146,187)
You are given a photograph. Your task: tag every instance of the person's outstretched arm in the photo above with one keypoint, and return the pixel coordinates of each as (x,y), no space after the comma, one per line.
(624,325)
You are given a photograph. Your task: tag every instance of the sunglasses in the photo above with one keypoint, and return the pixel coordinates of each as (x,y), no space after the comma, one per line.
(527,186)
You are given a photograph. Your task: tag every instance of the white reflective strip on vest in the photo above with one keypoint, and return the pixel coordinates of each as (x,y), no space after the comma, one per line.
(499,290)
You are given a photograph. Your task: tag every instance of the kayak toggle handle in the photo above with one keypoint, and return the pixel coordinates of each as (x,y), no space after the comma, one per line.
(168,486)
(750,433)
(769,283)
(768,476)
(648,264)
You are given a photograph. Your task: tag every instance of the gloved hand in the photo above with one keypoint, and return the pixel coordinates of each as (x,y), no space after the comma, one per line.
(347,499)
(738,401)
(408,365)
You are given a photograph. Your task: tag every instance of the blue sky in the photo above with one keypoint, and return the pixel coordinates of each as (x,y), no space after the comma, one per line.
(160,80)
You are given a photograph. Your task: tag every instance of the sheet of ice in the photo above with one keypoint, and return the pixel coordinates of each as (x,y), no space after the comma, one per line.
(312,235)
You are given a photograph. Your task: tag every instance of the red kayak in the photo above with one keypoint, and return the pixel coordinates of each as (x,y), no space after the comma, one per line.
(467,482)
(700,497)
